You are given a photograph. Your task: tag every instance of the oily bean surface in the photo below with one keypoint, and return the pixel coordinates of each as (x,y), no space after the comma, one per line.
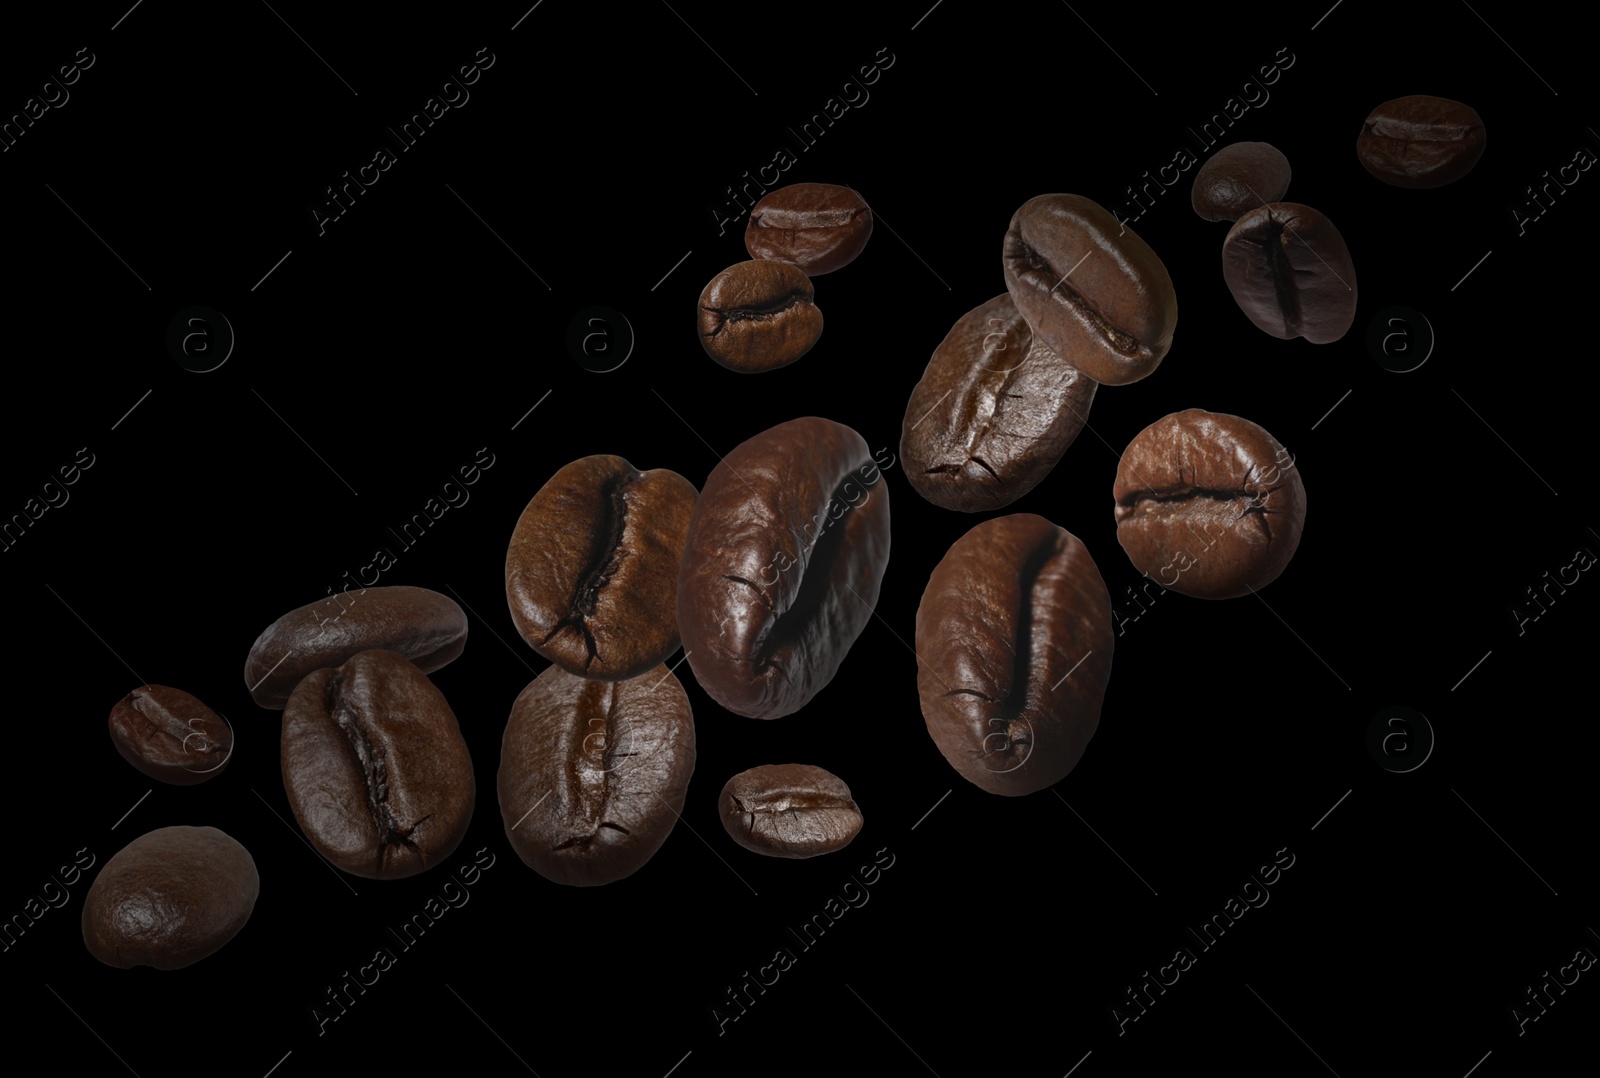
(170,736)
(1208,504)
(423,626)
(375,767)
(759,316)
(820,227)
(170,898)
(1290,272)
(1238,178)
(1421,141)
(592,570)
(787,549)
(1014,644)
(593,774)
(1093,291)
(789,810)
(994,412)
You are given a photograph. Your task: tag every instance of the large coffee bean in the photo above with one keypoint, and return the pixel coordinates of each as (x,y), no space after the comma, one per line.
(1208,505)
(994,411)
(170,736)
(593,774)
(787,547)
(375,767)
(1014,647)
(759,316)
(169,898)
(1237,179)
(1092,290)
(1420,141)
(592,572)
(819,227)
(1290,272)
(789,810)
(423,626)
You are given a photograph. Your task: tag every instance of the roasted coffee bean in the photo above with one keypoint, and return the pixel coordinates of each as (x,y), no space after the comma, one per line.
(1208,505)
(994,412)
(1014,647)
(759,316)
(375,767)
(169,898)
(1237,179)
(593,774)
(1290,272)
(170,736)
(423,626)
(592,572)
(1093,291)
(1420,141)
(819,227)
(787,547)
(789,810)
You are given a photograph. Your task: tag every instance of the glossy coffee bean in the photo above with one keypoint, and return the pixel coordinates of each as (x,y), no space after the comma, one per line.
(1014,643)
(787,547)
(592,571)
(819,227)
(1208,505)
(994,412)
(170,898)
(593,774)
(789,810)
(1420,141)
(1093,291)
(1290,273)
(375,767)
(170,736)
(423,626)
(759,316)
(1239,178)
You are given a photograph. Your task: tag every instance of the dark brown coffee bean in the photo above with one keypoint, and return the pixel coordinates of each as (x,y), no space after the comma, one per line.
(789,810)
(787,547)
(819,227)
(994,411)
(1420,141)
(1208,505)
(593,774)
(375,767)
(592,571)
(1092,290)
(171,736)
(1014,647)
(1239,178)
(423,626)
(1290,272)
(759,316)
(169,898)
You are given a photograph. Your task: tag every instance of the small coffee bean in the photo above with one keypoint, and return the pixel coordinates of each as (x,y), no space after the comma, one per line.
(1092,290)
(1208,505)
(789,810)
(1237,179)
(593,774)
(592,571)
(1290,273)
(759,316)
(1014,644)
(170,736)
(423,626)
(375,767)
(819,227)
(994,412)
(170,898)
(1420,141)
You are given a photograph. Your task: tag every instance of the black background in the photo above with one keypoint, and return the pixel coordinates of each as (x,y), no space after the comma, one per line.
(431,317)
